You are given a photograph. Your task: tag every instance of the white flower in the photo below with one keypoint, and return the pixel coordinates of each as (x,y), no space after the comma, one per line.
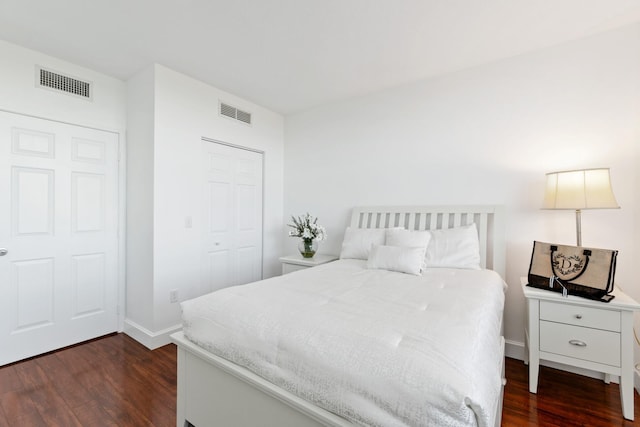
(306,227)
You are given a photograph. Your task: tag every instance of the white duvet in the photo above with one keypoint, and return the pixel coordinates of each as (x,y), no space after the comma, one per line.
(376,347)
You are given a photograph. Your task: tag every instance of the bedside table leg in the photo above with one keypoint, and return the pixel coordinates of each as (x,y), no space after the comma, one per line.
(534,368)
(626,396)
(533,339)
(526,345)
(626,362)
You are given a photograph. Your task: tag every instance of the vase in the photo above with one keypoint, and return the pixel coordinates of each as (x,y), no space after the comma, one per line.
(308,248)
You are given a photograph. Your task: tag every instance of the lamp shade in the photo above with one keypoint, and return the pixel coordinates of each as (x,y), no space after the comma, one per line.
(579,189)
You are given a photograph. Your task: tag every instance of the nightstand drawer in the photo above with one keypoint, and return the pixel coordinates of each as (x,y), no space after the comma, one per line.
(581,343)
(580,316)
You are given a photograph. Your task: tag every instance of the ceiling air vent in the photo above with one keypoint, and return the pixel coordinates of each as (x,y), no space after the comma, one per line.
(56,81)
(234,113)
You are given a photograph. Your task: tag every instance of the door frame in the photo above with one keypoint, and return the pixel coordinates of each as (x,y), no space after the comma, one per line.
(262,154)
(122,209)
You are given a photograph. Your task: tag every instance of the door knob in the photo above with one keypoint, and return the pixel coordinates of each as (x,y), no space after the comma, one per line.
(3,251)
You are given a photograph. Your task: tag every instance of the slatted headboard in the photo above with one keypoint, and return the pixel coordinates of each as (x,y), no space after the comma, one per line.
(489,220)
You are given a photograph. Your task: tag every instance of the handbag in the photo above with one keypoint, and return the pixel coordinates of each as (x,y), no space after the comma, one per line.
(573,270)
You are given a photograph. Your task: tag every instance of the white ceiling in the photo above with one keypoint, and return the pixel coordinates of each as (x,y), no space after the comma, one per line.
(291,55)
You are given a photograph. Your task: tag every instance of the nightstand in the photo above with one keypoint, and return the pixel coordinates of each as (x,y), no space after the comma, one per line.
(297,262)
(582,333)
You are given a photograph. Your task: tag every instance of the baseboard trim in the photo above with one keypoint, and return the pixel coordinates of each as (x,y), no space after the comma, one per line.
(515,350)
(151,340)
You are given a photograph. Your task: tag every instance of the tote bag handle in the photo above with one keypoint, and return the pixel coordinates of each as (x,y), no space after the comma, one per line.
(554,264)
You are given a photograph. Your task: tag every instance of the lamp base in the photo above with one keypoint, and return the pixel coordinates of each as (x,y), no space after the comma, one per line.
(579,227)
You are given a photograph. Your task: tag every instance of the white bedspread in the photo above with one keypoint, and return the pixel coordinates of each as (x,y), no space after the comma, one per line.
(376,347)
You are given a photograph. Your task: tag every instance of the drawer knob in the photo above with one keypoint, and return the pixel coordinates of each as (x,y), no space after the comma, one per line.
(578,316)
(578,343)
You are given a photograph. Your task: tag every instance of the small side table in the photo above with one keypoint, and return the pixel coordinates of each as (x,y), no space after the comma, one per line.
(582,333)
(297,262)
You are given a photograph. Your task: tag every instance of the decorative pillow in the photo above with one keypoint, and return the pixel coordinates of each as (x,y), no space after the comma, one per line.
(397,258)
(454,248)
(407,238)
(357,242)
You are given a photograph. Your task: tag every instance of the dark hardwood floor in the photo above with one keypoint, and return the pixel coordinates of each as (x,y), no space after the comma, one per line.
(112,381)
(115,381)
(563,400)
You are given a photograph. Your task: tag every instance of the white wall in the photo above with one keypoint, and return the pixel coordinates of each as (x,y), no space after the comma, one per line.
(18,91)
(140,220)
(485,135)
(185,110)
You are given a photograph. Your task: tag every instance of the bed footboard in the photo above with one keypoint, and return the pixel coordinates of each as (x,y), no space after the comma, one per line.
(211,388)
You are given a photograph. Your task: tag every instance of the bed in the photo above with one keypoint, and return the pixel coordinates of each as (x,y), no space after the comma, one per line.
(379,369)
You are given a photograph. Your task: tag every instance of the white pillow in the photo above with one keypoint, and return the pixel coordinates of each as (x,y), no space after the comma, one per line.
(454,248)
(407,238)
(357,242)
(397,258)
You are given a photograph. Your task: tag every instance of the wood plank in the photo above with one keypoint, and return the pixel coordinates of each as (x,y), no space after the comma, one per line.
(423,222)
(483,239)
(72,392)
(127,409)
(93,414)
(9,380)
(79,367)
(59,416)
(51,406)
(433,224)
(66,385)
(31,419)
(17,405)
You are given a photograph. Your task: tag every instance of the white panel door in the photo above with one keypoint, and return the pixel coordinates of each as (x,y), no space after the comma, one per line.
(233,213)
(58,225)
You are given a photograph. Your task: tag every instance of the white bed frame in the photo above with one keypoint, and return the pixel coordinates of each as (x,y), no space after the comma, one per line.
(214,391)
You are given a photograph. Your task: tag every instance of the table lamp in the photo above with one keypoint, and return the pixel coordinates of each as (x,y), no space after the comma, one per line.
(578,190)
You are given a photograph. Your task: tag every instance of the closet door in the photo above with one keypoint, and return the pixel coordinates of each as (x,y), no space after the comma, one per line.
(58,229)
(233,213)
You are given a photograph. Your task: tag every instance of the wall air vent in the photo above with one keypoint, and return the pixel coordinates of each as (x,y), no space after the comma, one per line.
(234,113)
(228,110)
(243,116)
(52,80)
